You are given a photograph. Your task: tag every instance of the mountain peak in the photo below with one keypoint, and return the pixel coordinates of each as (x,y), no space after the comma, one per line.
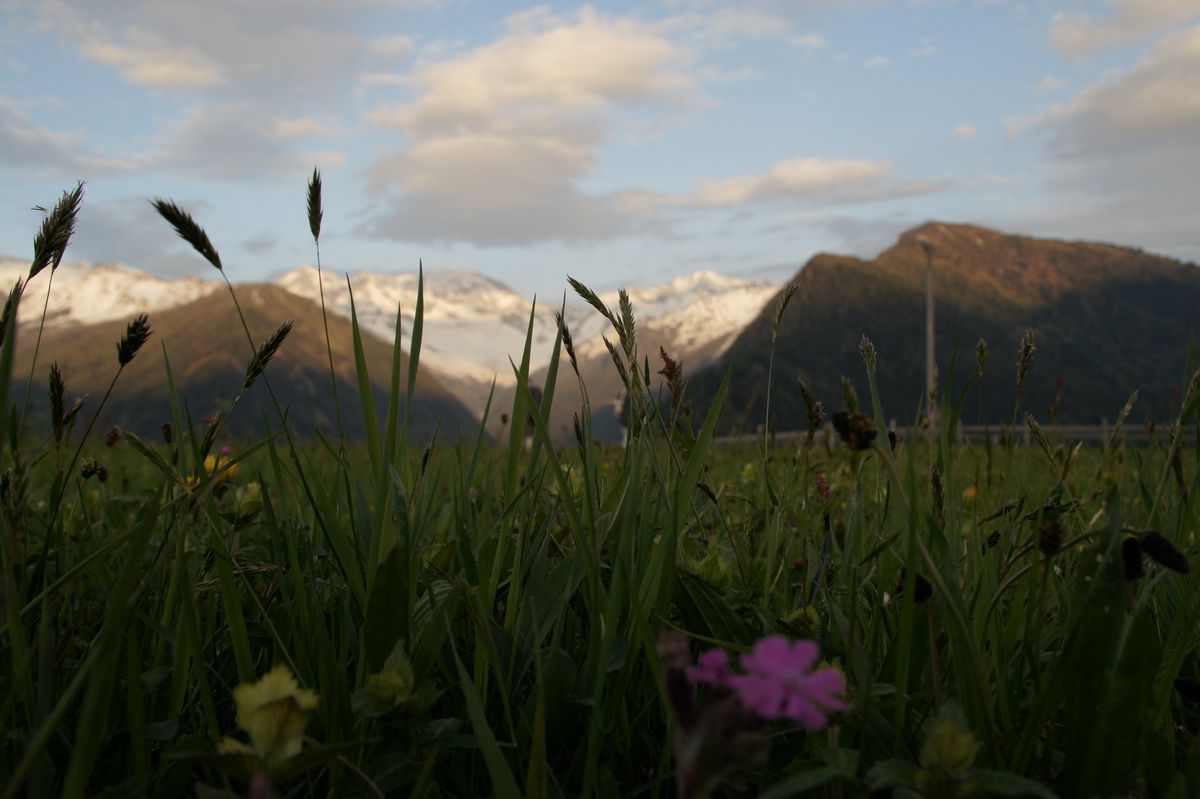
(1109,320)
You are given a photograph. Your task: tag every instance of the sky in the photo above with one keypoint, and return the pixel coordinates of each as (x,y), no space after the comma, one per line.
(620,143)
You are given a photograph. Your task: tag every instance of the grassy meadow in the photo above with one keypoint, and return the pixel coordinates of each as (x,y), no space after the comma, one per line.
(190,614)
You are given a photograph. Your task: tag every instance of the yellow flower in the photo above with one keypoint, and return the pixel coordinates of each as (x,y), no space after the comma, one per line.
(272,712)
(806,617)
(220,466)
(969,495)
(249,500)
(394,685)
(715,569)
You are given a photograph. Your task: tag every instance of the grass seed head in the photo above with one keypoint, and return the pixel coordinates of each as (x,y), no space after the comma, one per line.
(849,395)
(627,330)
(315,213)
(188,230)
(568,342)
(51,240)
(867,350)
(57,390)
(9,314)
(136,334)
(813,410)
(785,299)
(592,299)
(1163,552)
(265,353)
(1131,557)
(616,359)
(938,491)
(210,435)
(1025,356)
(981,356)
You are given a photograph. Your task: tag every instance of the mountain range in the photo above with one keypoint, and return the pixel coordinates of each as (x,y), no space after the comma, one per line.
(1108,320)
(472,325)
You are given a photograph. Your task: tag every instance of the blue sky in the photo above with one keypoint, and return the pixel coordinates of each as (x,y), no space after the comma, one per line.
(622,143)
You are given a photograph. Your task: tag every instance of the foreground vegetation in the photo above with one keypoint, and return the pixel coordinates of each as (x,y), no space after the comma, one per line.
(294,617)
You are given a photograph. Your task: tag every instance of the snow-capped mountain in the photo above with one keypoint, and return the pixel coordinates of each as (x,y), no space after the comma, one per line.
(703,311)
(472,325)
(86,293)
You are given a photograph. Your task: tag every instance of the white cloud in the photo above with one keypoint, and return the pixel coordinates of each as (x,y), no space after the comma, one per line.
(876,61)
(384,79)
(395,48)
(964,132)
(1049,85)
(1155,102)
(25,144)
(253,79)
(1126,150)
(500,138)
(730,25)
(224,142)
(1129,21)
(808,40)
(150,61)
(796,178)
(305,127)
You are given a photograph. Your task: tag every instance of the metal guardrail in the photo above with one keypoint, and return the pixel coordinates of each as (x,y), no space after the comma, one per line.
(1096,434)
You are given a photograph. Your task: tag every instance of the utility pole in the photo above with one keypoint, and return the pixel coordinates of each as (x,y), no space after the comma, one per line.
(930,355)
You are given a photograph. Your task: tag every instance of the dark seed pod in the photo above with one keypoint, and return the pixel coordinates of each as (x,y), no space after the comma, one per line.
(93,468)
(922,590)
(856,429)
(112,436)
(1050,538)
(1131,554)
(993,539)
(1164,552)
(168,433)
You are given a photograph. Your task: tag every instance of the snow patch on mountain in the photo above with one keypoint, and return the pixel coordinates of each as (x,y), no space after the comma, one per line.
(473,325)
(85,293)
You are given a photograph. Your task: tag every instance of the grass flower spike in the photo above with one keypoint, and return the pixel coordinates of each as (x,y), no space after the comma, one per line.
(272,712)
(780,682)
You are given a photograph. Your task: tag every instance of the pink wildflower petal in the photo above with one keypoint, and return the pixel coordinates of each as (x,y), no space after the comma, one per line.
(824,686)
(803,655)
(712,668)
(779,682)
(800,709)
(767,656)
(764,696)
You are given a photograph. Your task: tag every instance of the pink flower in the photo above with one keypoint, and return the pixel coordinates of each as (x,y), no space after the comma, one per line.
(712,668)
(779,682)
